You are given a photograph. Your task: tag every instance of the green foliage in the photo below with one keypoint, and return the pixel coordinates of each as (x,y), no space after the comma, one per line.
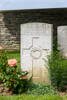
(41,89)
(3,64)
(3,61)
(21,85)
(33,97)
(16,81)
(58,70)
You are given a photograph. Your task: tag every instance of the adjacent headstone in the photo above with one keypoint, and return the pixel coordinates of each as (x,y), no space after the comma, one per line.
(36,45)
(62,40)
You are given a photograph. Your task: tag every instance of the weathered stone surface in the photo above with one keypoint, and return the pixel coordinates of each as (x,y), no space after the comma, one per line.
(62,40)
(36,45)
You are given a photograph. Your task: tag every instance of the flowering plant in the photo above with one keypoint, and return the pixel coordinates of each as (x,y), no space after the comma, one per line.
(16,81)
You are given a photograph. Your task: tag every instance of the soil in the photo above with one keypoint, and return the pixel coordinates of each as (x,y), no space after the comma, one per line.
(5,91)
(62,93)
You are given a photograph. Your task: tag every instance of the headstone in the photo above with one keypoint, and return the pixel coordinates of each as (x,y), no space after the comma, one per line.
(36,45)
(62,40)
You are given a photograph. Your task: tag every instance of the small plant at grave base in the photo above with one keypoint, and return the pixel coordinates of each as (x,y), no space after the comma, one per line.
(41,89)
(58,70)
(15,81)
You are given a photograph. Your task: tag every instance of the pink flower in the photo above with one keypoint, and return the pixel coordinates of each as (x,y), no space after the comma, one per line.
(12,62)
(25,77)
(22,70)
(1,47)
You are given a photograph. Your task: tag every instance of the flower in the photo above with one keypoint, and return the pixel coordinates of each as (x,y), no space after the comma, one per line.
(22,70)
(12,62)
(25,77)
(1,47)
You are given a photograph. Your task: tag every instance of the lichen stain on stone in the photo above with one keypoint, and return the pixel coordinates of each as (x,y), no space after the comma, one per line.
(39,74)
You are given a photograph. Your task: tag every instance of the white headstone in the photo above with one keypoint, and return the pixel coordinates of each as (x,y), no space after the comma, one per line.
(62,40)
(36,45)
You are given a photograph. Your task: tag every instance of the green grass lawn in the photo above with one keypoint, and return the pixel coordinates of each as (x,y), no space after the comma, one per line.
(31,97)
(65,97)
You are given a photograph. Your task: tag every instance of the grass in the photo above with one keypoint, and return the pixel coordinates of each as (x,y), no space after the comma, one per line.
(65,97)
(32,97)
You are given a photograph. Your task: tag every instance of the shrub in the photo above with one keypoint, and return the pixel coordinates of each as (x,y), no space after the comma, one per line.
(41,89)
(3,64)
(15,81)
(58,70)
(21,82)
(3,61)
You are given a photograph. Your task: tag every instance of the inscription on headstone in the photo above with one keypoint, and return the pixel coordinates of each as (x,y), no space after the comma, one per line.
(36,44)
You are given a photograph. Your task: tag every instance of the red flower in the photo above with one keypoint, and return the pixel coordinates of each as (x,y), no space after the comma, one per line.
(25,77)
